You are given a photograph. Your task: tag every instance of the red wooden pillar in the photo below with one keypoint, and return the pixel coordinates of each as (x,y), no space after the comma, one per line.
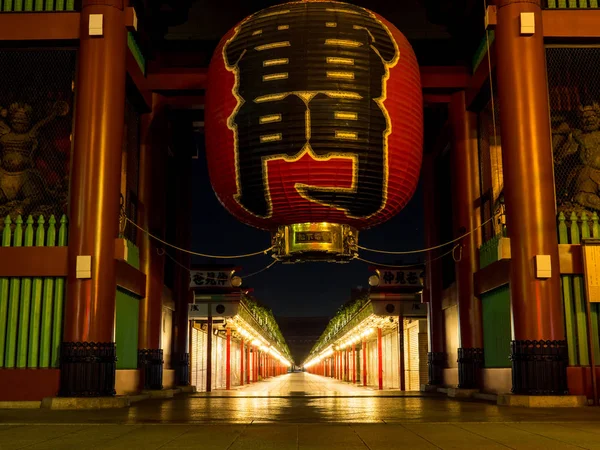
(347,358)
(153,159)
(536,303)
(248,363)
(94,205)
(334,363)
(379,359)
(436,356)
(353,363)
(465,192)
(242,362)
(364,365)
(228,360)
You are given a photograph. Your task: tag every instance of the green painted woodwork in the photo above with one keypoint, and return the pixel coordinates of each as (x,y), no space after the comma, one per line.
(4,283)
(480,53)
(488,252)
(8,5)
(128,310)
(47,303)
(136,52)
(25,304)
(31,308)
(49,6)
(70,5)
(571,4)
(496,327)
(18,5)
(13,304)
(569,306)
(59,298)
(579,300)
(133,255)
(36,304)
(60,5)
(39,5)
(28,5)
(572,230)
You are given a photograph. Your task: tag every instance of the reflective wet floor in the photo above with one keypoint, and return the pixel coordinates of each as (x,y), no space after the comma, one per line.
(302,411)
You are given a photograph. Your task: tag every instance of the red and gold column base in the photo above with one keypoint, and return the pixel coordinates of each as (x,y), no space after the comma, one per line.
(322,241)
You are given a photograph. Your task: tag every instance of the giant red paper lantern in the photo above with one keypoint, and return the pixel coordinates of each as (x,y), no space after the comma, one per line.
(314,115)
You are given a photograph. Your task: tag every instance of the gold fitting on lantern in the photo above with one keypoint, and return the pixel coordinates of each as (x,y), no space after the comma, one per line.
(323,241)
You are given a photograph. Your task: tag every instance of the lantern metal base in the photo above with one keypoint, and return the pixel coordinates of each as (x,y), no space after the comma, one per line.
(323,241)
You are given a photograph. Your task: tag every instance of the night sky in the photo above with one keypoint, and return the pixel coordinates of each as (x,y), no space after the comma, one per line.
(308,289)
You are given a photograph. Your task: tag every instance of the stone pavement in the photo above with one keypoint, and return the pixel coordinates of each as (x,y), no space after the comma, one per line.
(301,411)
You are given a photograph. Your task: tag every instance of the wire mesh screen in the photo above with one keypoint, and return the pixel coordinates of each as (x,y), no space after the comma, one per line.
(490,168)
(36,120)
(574,90)
(130,167)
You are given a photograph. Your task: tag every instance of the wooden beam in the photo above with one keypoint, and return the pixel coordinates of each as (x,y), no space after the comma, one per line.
(571,24)
(430,99)
(57,26)
(444,77)
(138,79)
(492,277)
(184,101)
(481,76)
(178,80)
(130,278)
(33,261)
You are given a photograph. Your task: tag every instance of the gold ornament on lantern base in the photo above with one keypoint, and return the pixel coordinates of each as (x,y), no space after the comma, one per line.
(322,241)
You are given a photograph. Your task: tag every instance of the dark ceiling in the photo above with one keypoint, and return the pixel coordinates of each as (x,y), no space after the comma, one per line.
(441,31)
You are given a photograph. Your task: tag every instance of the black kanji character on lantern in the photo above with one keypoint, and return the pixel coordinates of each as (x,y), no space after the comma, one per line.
(400,278)
(313,76)
(388,277)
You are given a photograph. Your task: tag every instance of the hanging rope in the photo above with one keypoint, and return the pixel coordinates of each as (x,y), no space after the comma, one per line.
(409,266)
(204,255)
(410,252)
(162,252)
